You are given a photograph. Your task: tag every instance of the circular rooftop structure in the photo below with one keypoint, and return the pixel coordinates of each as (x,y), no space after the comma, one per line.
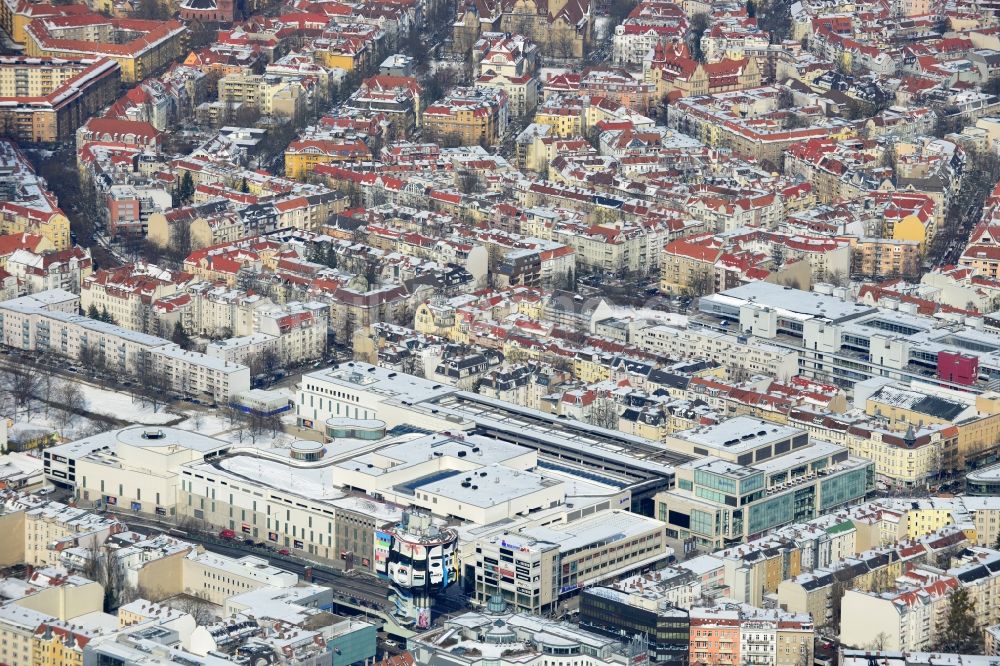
(983,481)
(307,450)
(165,437)
(344,428)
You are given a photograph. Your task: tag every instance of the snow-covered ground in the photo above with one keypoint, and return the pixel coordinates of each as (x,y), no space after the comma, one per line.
(54,420)
(204,423)
(121,406)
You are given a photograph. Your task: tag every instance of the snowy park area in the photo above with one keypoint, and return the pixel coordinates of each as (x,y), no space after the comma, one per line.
(124,407)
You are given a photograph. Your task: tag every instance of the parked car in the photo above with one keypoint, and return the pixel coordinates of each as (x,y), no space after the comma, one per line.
(227,534)
(284,551)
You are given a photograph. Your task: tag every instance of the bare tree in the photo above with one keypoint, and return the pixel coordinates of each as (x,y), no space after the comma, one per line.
(604,414)
(563,43)
(272,422)
(46,380)
(181,240)
(197,606)
(836,278)
(105,567)
(197,420)
(738,373)
(702,282)
(72,403)
(23,383)
(93,357)
(468,182)
(153,386)
(117,591)
(265,362)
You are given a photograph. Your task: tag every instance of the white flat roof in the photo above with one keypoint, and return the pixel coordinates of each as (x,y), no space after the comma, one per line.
(809,303)
(488,486)
(155,437)
(738,434)
(607,526)
(248,567)
(477,450)
(380,381)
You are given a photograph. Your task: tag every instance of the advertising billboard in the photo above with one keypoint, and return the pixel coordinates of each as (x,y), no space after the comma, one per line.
(383,543)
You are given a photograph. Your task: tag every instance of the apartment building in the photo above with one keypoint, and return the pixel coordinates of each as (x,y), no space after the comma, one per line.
(397,97)
(918,405)
(635,37)
(468,116)
(17,632)
(302,155)
(623,247)
(292,336)
(130,207)
(29,325)
(246,349)
(195,373)
(712,119)
(757,356)
(63,641)
(522,91)
(216,578)
(45,100)
(140,47)
(39,531)
(127,293)
(905,619)
(874,257)
(66,269)
(302,329)
(682,76)
(212,310)
(912,618)
(268,94)
(909,458)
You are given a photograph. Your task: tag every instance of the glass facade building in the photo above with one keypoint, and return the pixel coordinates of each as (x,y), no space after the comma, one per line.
(718,502)
(666,629)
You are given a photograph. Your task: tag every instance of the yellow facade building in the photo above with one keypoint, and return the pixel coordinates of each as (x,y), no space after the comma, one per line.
(31,208)
(468,117)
